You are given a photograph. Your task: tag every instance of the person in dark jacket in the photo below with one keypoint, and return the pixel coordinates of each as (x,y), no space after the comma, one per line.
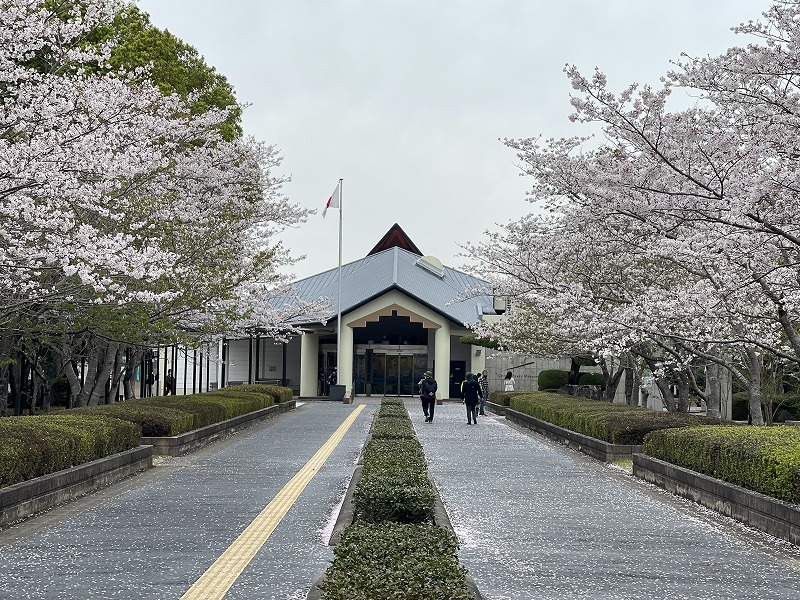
(471,393)
(427,393)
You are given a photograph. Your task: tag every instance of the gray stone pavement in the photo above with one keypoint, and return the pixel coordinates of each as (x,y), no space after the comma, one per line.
(535,520)
(153,535)
(538,521)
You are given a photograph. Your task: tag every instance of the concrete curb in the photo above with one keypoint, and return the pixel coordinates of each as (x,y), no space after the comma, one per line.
(197,438)
(770,515)
(27,498)
(602,451)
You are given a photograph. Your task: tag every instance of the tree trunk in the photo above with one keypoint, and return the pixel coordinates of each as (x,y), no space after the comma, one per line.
(85,391)
(683,392)
(713,391)
(612,378)
(99,386)
(6,343)
(134,359)
(631,387)
(666,392)
(754,385)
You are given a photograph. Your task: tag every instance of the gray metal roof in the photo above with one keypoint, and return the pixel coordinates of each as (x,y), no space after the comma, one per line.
(395,268)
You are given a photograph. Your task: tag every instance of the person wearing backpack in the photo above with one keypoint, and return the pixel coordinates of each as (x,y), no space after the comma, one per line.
(471,393)
(427,393)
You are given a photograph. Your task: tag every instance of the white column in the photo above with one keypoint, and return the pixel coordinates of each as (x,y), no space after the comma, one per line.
(309,371)
(442,358)
(345,377)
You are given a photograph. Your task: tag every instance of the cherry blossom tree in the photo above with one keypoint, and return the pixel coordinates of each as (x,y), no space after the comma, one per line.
(127,216)
(692,213)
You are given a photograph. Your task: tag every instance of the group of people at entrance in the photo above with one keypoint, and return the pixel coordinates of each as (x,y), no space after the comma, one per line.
(474,393)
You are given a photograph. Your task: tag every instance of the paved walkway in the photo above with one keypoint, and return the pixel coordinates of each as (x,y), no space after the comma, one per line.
(535,520)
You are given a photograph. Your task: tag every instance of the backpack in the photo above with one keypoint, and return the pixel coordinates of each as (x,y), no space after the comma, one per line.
(428,388)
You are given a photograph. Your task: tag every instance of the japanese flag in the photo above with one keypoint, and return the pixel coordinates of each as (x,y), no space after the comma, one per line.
(333,201)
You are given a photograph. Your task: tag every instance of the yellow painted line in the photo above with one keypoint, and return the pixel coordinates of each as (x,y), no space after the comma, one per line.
(218,579)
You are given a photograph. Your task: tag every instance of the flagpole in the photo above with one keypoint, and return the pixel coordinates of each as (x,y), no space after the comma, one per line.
(339,296)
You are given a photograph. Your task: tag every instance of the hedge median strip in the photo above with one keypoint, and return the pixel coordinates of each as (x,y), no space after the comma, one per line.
(394,549)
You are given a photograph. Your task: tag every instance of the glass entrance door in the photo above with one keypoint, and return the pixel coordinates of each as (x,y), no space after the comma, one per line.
(390,371)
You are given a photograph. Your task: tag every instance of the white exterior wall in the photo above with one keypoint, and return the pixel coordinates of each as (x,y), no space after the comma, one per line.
(187,381)
(237,369)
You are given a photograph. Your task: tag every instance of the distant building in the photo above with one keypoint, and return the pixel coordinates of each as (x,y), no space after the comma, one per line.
(400,318)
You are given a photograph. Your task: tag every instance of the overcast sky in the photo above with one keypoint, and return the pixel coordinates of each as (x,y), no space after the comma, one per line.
(405,100)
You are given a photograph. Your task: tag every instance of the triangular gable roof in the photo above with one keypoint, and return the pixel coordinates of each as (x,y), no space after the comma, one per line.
(398,238)
(397,268)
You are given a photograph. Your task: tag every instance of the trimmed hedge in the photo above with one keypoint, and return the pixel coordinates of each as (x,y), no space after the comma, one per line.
(393,560)
(163,416)
(393,549)
(613,423)
(592,379)
(762,459)
(41,444)
(394,484)
(37,445)
(502,398)
(552,379)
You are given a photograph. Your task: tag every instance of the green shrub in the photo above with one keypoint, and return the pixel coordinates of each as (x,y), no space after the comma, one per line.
(394,484)
(502,398)
(172,415)
(592,379)
(42,444)
(763,459)
(397,496)
(552,379)
(412,562)
(392,427)
(613,423)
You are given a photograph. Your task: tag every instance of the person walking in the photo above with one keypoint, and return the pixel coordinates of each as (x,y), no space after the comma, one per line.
(508,382)
(427,394)
(169,383)
(471,393)
(483,381)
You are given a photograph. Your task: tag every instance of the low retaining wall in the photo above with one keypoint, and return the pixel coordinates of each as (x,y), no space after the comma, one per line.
(27,498)
(197,438)
(499,409)
(583,443)
(775,517)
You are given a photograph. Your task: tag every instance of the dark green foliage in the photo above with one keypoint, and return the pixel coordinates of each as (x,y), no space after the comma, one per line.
(393,550)
(502,398)
(172,415)
(613,423)
(412,562)
(399,496)
(762,459)
(38,445)
(592,379)
(393,410)
(552,379)
(740,406)
(394,484)
(34,446)
(392,427)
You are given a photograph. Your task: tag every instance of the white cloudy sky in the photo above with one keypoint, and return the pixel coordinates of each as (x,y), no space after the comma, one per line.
(405,100)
